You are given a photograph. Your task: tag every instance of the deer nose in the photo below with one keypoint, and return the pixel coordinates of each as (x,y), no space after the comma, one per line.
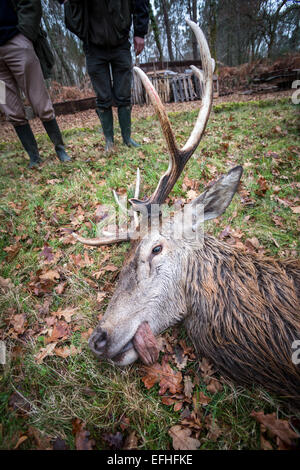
(98,340)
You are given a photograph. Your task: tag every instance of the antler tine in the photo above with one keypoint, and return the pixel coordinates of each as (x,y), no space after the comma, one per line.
(160,110)
(179,158)
(208,65)
(109,239)
(101,241)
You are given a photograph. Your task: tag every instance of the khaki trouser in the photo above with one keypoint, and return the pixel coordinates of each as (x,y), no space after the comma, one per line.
(20,70)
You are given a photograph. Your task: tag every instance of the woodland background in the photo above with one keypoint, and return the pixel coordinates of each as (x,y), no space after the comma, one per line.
(238,31)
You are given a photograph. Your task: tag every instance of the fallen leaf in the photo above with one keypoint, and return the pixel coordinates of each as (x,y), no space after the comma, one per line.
(213,428)
(296,209)
(214,386)
(20,441)
(44,352)
(207,369)
(47,253)
(101,296)
(179,357)
(188,386)
(263,186)
(203,399)
(50,275)
(6,284)
(82,436)
(66,313)
(12,251)
(182,440)
(163,374)
(67,351)
(279,428)
(60,288)
(60,331)
(18,321)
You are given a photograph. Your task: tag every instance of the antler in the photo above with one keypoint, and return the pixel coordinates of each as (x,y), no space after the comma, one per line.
(109,238)
(179,157)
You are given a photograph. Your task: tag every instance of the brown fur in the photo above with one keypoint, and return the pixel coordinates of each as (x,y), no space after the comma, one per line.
(244,315)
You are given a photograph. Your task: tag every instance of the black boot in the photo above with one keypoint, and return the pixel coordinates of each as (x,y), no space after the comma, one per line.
(107,123)
(28,141)
(124,114)
(54,133)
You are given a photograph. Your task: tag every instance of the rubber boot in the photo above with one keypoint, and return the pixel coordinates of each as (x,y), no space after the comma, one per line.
(28,141)
(107,123)
(54,133)
(124,115)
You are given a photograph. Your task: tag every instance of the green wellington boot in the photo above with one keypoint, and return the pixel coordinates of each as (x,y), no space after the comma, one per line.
(54,133)
(107,123)
(124,114)
(28,141)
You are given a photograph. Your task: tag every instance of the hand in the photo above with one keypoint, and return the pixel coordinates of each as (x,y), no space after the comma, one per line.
(138,44)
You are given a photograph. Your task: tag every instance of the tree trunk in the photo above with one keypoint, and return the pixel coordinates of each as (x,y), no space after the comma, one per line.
(168,29)
(156,32)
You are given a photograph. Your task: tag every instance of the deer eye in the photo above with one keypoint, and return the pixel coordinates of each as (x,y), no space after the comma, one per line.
(157,249)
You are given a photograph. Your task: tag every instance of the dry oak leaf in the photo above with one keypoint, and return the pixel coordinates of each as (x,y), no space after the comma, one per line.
(163,374)
(213,429)
(18,322)
(67,351)
(279,428)
(60,332)
(47,253)
(263,186)
(206,369)
(44,352)
(66,313)
(82,436)
(188,386)
(214,386)
(61,287)
(50,275)
(12,251)
(168,401)
(202,398)
(5,284)
(296,210)
(182,440)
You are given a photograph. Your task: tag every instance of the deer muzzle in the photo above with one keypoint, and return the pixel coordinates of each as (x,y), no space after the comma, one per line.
(143,345)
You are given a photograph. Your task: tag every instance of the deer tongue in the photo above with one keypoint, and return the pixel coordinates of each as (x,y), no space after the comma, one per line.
(145,344)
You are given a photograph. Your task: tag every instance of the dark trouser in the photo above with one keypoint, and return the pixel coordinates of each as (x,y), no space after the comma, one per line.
(110,91)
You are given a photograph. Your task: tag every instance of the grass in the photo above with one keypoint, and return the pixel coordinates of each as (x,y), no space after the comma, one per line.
(261,136)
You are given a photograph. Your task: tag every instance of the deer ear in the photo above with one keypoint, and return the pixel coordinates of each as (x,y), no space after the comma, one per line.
(217,198)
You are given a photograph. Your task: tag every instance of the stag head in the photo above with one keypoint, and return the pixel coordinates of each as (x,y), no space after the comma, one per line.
(152,286)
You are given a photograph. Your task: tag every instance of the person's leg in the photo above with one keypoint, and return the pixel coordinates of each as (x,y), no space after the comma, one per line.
(26,69)
(97,61)
(122,79)
(14,110)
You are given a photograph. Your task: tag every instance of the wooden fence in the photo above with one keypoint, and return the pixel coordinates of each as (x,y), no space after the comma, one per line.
(171,87)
